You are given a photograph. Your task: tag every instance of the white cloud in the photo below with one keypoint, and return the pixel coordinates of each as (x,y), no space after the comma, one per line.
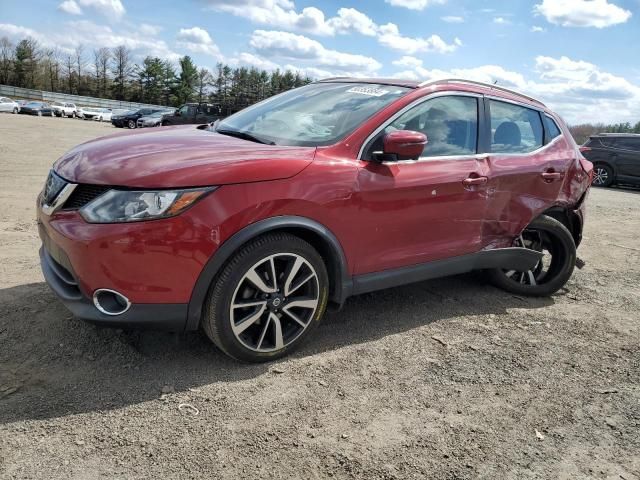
(70,7)
(390,36)
(300,48)
(582,13)
(149,29)
(501,21)
(251,60)
(198,40)
(408,61)
(537,29)
(453,19)
(351,20)
(414,4)
(577,90)
(92,35)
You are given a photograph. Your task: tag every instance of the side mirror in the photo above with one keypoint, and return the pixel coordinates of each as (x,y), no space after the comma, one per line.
(404,144)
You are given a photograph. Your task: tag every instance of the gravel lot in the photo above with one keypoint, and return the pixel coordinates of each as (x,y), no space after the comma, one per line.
(447,379)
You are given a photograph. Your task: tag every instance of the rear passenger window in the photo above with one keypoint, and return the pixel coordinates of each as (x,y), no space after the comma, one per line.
(515,129)
(551,128)
(628,144)
(450,124)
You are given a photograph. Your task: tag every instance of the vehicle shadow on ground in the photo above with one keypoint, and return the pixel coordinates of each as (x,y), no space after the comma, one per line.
(52,364)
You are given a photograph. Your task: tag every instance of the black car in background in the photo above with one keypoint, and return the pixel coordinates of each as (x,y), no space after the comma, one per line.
(615,158)
(194,113)
(130,118)
(37,108)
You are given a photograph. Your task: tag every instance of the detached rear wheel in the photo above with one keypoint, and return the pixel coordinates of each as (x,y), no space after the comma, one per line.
(549,236)
(268,299)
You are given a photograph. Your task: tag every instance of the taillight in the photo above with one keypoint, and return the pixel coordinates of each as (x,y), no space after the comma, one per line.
(585,149)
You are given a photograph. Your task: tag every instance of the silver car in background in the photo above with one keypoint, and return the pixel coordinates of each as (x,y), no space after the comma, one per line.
(155,119)
(8,105)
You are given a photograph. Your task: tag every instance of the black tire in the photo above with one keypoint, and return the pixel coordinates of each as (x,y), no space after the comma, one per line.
(602,175)
(231,284)
(131,124)
(544,233)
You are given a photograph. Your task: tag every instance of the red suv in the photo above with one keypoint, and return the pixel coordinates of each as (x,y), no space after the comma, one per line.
(251,227)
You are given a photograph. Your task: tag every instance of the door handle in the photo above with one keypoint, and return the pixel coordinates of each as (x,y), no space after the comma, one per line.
(551,176)
(471,181)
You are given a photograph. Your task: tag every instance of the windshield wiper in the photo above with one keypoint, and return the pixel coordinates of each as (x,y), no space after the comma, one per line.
(244,136)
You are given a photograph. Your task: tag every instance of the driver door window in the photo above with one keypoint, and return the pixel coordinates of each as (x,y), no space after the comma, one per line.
(450,124)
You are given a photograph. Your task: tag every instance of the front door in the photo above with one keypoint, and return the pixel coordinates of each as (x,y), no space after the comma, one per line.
(413,212)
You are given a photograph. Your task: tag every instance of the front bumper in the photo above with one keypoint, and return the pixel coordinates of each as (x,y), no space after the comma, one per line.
(62,281)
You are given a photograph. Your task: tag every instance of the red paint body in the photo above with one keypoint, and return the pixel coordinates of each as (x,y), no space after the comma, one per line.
(384,215)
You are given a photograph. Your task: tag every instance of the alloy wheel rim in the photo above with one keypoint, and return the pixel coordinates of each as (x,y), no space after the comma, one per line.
(600,176)
(274,302)
(548,266)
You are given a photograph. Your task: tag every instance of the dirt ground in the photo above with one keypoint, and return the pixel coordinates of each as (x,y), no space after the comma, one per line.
(446,379)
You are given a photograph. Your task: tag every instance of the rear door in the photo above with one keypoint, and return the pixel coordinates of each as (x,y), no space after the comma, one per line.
(527,166)
(628,158)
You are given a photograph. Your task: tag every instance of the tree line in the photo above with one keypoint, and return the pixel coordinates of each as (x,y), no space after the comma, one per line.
(113,73)
(582,132)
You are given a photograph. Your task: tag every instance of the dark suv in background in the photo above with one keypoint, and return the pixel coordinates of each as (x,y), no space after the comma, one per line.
(616,158)
(129,119)
(196,113)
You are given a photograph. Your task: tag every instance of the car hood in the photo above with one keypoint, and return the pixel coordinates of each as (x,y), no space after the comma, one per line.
(179,157)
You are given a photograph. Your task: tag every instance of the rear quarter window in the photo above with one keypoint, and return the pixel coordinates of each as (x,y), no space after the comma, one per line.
(551,128)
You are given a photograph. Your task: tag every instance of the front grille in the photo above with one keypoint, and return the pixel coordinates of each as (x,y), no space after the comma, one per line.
(83,194)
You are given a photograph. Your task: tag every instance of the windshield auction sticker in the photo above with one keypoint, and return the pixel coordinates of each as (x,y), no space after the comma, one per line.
(371,91)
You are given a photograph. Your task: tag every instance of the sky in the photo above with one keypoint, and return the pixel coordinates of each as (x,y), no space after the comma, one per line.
(580,57)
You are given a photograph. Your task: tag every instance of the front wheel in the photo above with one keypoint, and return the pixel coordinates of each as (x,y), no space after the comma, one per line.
(268,299)
(15,110)
(549,236)
(131,124)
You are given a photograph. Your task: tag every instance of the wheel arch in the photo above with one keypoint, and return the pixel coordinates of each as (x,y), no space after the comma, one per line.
(569,219)
(316,234)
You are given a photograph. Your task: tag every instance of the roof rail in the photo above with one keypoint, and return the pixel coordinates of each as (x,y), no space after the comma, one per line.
(482,84)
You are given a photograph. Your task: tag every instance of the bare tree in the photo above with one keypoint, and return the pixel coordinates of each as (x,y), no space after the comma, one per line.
(51,69)
(205,80)
(80,64)
(68,65)
(7,58)
(101,58)
(122,68)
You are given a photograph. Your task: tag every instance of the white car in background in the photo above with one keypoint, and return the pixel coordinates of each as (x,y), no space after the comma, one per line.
(103,114)
(63,109)
(99,114)
(8,105)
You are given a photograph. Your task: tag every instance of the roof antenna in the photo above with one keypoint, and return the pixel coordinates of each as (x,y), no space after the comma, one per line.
(495,82)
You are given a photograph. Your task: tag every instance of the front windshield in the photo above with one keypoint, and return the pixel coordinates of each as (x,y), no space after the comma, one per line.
(315,115)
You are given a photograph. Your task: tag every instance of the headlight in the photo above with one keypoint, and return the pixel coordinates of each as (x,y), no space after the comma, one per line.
(117,206)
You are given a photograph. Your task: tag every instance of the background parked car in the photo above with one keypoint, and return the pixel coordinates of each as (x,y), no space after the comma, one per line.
(99,114)
(63,109)
(37,108)
(103,114)
(153,120)
(8,105)
(194,113)
(616,158)
(129,119)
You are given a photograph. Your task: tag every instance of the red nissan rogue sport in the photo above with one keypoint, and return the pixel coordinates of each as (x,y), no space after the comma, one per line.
(252,226)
